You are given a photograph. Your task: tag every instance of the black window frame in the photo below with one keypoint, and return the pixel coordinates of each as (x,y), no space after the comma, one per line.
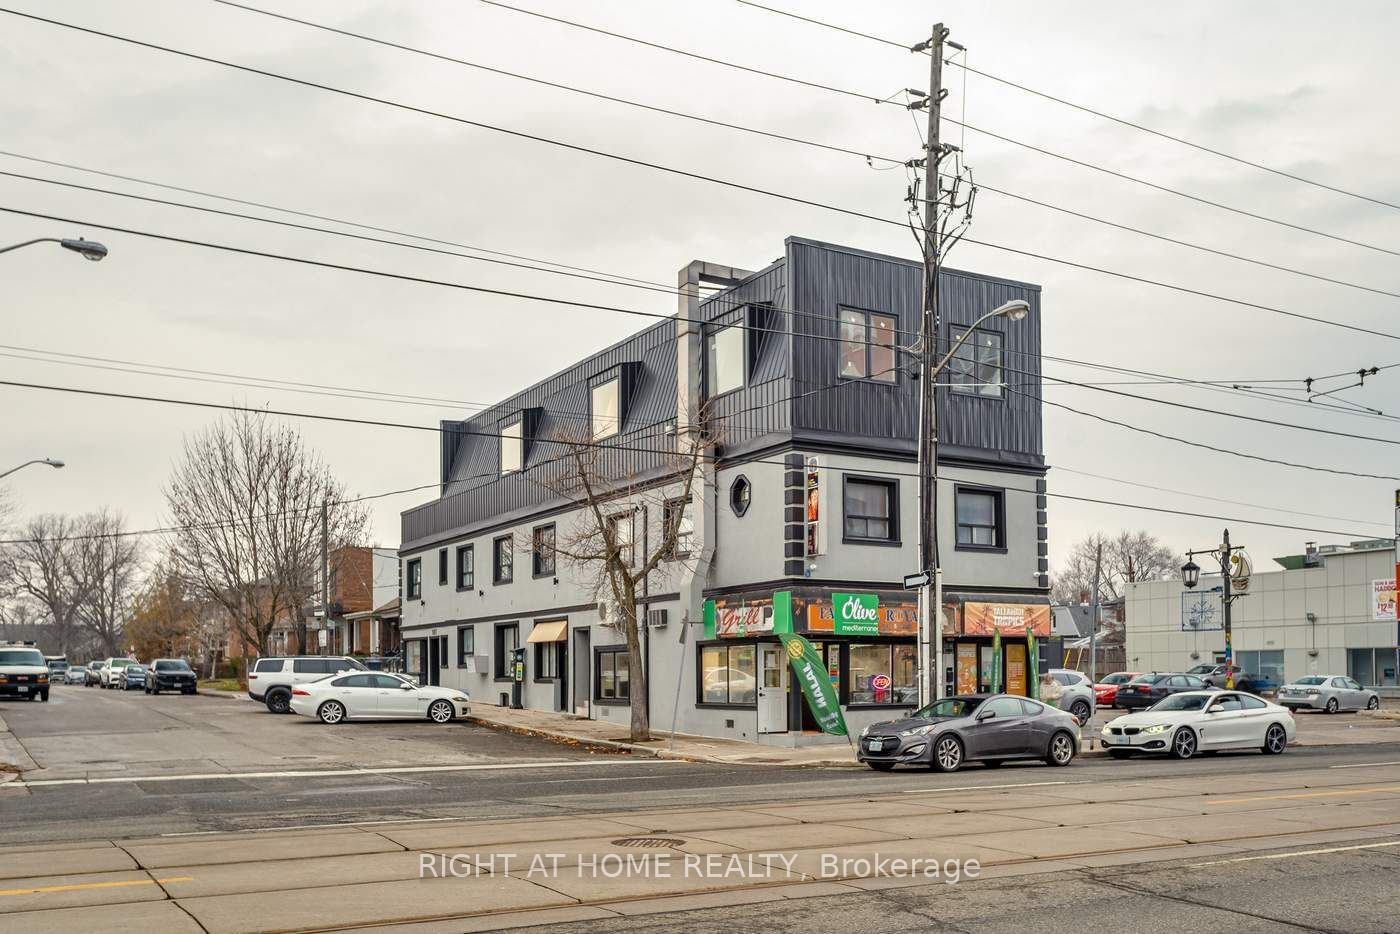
(537,565)
(711,332)
(466,569)
(867,345)
(546,660)
(748,499)
(729,645)
(612,651)
(974,386)
(415,579)
(466,644)
(442,567)
(891,485)
(999,497)
(497,578)
(500,662)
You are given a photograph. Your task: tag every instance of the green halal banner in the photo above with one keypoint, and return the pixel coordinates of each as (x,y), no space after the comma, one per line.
(816,684)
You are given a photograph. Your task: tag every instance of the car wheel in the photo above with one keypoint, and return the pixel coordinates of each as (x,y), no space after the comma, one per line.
(1275,740)
(948,754)
(44,697)
(1184,743)
(279,701)
(440,711)
(1061,750)
(331,712)
(1331,705)
(1080,710)
(1119,754)
(881,766)
(1374,703)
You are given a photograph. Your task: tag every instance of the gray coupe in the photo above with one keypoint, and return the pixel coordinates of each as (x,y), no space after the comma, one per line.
(990,728)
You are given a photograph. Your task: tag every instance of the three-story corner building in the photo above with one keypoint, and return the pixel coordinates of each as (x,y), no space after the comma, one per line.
(803,516)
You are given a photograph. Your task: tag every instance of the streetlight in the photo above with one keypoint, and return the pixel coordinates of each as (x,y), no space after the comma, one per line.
(931,591)
(51,461)
(1191,576)
(87,249)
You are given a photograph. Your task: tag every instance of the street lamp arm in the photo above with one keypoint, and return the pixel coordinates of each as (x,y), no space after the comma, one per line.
(38,460)
(938,367)
(16,246)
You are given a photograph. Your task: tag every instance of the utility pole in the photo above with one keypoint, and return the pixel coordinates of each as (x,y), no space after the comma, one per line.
(325,576)
(1225,597)
(1094,620)
(931,593)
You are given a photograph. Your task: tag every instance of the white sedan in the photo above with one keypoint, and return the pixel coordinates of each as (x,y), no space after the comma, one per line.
(377,696)
(1190,722)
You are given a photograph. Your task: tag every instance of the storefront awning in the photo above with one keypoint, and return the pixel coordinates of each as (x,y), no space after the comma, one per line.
(550,632)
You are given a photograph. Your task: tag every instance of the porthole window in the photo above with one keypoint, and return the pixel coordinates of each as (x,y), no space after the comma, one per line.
(740,494)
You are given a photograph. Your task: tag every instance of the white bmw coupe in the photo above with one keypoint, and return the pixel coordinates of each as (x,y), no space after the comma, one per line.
(1202,721)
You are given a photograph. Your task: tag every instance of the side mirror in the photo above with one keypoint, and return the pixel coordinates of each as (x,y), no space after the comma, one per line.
(406,687)
(986,715)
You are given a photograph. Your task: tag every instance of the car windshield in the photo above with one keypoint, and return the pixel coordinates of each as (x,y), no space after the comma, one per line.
(1311,680)
(1201,670)
(122,662)
(1144,679)
(1118,677)
(21,657)
(949,707)
(172,666)
(1182,702)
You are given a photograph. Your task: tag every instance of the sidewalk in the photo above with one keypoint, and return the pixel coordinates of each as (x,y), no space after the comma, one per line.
(14,759)
(563,728)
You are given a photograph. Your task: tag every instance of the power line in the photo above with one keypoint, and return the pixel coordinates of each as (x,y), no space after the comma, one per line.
(598,95)
(1086,109)
(594,444)
(692,175)
(1166,188)
(859,95)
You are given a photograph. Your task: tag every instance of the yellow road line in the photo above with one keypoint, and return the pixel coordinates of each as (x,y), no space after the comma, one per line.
(1306,794)
(91,886)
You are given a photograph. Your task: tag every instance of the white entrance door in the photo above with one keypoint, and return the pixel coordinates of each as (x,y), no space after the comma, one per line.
(772,689)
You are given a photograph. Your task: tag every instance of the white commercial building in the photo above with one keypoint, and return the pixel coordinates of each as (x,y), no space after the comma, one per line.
(1328,611)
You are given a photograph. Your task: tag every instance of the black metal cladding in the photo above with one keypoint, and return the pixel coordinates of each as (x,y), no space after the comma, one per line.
(791,393)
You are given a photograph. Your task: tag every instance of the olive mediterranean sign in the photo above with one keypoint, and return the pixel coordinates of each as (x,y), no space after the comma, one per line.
(856,614)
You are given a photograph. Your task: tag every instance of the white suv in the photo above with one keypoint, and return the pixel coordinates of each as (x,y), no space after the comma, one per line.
(113,673)
(1078,697)
(23,672)
(271,680)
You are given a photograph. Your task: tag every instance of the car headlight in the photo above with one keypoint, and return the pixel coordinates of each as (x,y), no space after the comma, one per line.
(865,732)
(1153,730)
(461,699)
(918,730)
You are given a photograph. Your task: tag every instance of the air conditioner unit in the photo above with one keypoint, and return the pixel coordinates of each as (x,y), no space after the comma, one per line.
(657,619)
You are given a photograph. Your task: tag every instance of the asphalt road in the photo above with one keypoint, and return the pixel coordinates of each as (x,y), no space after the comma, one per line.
(195,754)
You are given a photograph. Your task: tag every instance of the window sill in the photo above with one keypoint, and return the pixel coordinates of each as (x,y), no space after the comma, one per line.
(544,575)
(612,702)
(871,380)
(715,705)
(539,680)
(885,542)
(502,583)
(985,549)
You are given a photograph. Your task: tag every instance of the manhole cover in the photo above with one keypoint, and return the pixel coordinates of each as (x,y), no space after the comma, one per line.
(648,841)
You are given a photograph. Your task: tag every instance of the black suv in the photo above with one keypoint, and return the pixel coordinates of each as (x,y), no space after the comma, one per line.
(170,674)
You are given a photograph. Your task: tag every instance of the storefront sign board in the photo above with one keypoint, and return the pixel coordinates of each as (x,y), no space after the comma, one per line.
(1007,619)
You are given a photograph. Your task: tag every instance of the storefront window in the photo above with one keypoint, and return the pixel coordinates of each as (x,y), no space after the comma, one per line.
(728,674)
(881,674)
(613,681)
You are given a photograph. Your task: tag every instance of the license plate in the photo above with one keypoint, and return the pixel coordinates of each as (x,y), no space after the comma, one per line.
(877,745)
(24,689)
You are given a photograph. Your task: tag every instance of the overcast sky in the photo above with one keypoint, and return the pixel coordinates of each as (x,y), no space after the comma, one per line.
(1266,81)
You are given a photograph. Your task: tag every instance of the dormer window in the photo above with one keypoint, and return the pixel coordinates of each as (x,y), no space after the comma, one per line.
(606,408)
(512,447)
(724,360)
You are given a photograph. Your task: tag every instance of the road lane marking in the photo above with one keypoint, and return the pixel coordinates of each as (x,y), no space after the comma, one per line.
(934,791)
(1364,765)
(93,886)
(1293,853)
(1306,794)
(331,773)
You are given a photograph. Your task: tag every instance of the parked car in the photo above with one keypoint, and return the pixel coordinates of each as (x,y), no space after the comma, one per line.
(1214,675)
(368,695)
(271,680)
(1189,722)
(76,674)
(58,668)
(133,676)
(1078,697)
(23,672)
(1146,690)
(972,727)
(170,674)
(111,672)
(1106,691)
(1330,693)
(93,673)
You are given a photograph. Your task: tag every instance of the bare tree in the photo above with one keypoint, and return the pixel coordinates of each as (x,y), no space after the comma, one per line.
(46,565)
(109,563)
(247,498)
(1128,556)
(609,544)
